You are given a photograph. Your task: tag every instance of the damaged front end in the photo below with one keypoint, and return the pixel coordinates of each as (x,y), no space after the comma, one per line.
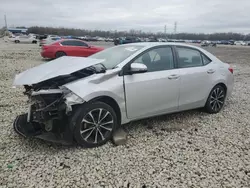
(50,108)
(48,115)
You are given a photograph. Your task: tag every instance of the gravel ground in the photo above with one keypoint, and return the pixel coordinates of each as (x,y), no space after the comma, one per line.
(188,149)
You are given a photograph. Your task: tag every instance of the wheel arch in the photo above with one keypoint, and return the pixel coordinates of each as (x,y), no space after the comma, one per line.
(60,51)
(207,105)
(222,85)
(111,102)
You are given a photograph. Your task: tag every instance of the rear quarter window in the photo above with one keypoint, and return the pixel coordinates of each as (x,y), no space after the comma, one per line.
(205,59)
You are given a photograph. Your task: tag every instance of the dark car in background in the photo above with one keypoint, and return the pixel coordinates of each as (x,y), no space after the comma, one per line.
(231,42)
(225,42)
(153,39)
(126,40)
(91,39)
(41,37)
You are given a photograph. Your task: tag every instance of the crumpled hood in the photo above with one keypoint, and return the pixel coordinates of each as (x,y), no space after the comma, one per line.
(58,67)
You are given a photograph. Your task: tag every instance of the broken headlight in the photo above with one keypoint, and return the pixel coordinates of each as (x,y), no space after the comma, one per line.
(71,99)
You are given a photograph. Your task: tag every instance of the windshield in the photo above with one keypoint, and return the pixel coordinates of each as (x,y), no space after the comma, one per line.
(114,56)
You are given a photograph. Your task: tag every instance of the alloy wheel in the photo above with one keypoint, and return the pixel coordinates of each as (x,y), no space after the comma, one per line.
(217,99)
(96,125)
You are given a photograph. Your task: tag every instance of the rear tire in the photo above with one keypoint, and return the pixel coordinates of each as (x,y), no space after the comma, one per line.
(60,54)
(34,42)
(216,100)
(94,123)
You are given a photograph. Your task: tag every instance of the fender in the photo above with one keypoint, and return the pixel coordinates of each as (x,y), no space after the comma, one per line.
(99,85)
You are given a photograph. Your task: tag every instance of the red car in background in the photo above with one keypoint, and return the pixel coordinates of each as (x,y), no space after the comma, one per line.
(68,47)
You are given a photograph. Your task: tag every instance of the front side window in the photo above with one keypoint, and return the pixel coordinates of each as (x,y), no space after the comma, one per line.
(157,59)
(188,57)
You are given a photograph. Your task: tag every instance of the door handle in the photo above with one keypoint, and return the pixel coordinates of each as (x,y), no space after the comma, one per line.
(210,71)
(173,76)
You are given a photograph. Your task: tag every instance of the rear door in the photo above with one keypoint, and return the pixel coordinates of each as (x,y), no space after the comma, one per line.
(155,91)
(196,77)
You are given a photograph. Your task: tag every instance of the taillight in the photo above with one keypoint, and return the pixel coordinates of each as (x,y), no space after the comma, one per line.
(231,70)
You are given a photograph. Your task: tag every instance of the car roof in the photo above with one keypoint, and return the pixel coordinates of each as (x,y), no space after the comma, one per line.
(62,40)
(152,44)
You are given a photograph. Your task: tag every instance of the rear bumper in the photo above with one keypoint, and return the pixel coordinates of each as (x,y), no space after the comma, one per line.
(50,55)
(230,85)
(27,129)
(230,90)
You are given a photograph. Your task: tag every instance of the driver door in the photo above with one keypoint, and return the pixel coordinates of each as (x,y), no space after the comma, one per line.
(156,91)
(82,49)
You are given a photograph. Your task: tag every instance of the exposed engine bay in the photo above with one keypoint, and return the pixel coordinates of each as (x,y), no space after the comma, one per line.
(50,104)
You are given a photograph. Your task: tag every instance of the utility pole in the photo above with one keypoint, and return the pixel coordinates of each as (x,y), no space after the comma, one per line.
(165,31)
(5,20)
(175,27)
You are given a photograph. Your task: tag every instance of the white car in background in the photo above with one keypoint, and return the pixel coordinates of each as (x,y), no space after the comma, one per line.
(49,40)
(24,39)
(242,43)
(237,43)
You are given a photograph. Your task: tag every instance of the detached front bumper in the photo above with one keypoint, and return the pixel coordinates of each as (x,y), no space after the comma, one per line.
(32,129)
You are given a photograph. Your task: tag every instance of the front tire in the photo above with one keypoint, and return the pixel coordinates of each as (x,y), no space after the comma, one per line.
(216,100)
(95,124)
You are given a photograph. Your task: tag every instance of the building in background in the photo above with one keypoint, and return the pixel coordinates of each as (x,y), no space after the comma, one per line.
(17,30)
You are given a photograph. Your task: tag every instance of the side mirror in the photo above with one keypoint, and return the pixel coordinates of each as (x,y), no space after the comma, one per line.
(138,68)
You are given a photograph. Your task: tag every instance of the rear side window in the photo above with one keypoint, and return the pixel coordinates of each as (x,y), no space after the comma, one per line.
(73,43)
(188,57)
(67,43)
(205,59)
(80,43)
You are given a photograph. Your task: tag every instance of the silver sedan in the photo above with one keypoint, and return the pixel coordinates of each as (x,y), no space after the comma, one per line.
(84,100)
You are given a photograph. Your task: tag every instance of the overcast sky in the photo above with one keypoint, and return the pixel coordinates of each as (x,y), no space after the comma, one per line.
(147,15)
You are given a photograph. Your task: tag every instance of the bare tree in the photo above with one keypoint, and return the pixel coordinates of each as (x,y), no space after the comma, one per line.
(138,33)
